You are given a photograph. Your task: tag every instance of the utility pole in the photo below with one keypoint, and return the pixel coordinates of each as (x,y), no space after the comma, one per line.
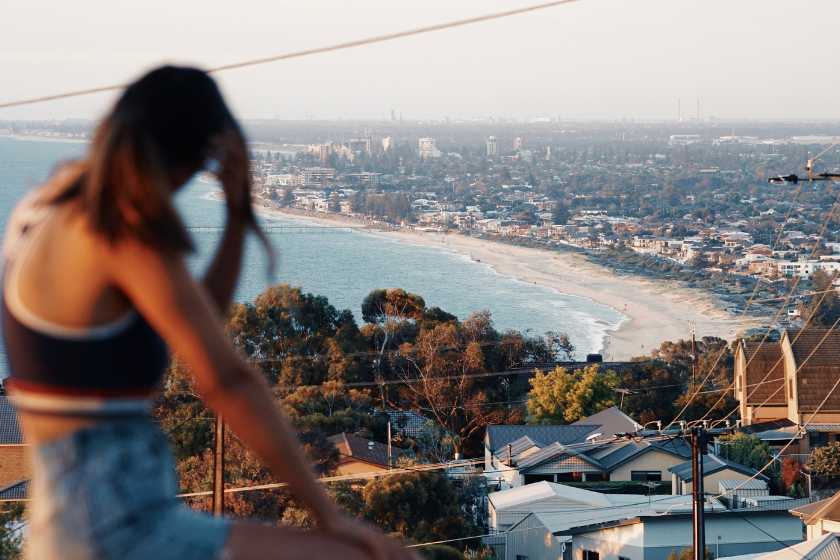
(389,444)
(699,447)
(693,353)
(219,466)
(700,436)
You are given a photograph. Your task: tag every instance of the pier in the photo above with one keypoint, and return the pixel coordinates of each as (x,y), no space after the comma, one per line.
(280,229)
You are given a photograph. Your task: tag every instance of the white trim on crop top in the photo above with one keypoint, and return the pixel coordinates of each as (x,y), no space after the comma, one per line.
(28,216)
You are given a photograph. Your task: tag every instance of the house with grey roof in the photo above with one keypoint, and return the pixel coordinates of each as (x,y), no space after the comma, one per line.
(545,521)
(14,455)
(715,470)
(590,450)
(826,547)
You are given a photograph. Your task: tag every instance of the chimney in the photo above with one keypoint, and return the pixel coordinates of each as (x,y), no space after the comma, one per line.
(510,459)
(406,404)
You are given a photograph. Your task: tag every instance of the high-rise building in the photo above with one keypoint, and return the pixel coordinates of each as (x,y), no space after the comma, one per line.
(386,143)
(517,144)
(492,146)
(318,175)
(427,149)
(393,116)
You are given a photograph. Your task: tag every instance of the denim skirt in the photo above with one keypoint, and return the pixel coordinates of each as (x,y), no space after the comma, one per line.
(107,492)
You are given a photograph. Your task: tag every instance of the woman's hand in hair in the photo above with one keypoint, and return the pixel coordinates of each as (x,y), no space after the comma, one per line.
(232,152)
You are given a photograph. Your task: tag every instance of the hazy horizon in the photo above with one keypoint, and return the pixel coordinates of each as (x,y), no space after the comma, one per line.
(593,60)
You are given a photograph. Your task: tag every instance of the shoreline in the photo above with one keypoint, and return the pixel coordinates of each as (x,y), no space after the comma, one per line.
(656,312)
(33,138)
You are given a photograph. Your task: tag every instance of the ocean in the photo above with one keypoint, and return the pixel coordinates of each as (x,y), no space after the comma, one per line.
(345,267)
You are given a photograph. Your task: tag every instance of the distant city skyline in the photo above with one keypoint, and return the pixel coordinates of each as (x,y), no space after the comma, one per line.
(593,59)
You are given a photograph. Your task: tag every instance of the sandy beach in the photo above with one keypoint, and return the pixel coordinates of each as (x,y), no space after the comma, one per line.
(656,311)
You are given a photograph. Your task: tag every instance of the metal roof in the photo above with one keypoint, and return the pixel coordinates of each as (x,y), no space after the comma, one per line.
(822,428)
(17,490)
(516,447)
(754,484)
(499,436)
(713,464)
(556,450)
(531,493)
(561,522)
(826,547)
(10,432)
(610,422)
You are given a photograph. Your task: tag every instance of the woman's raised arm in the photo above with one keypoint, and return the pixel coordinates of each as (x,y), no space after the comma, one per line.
(220,279)
(180,309)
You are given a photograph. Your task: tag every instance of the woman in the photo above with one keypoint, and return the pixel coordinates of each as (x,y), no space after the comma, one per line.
(95,290)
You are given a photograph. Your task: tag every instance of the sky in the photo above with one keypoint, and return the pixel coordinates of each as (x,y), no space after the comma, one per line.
(592,59)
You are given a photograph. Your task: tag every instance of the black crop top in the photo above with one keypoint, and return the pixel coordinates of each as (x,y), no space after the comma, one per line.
(53,368)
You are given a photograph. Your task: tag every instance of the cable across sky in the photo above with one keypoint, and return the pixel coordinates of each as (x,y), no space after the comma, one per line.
(317,50)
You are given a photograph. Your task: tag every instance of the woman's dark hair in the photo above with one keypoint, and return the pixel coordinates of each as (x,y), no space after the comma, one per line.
(162,121)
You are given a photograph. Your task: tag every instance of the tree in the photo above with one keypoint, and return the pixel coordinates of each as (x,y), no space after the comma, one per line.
(11,540)
(299,339)
(560,214)
(646,405)
(824,462)
(422,506)
(793,481)
(442,370)
(824,306)
(357,202)
(435,443)
(559,345)
(561,397)
(391,313)
(335,203)
(751,452)
(288,197)
(688,554)
(699,259)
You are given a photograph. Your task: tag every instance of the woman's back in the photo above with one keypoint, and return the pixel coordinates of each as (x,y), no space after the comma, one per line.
(74,344)
(57,261)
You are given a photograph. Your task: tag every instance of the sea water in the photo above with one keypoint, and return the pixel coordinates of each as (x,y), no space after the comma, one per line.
(345,267)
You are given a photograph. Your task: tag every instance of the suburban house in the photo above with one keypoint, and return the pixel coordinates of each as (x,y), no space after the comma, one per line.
(546,521)
(783,383)
(821,517)
(14,453)
(715,470)
(586,451)
(359,455)
(508,507)
(651,536)
(826,547)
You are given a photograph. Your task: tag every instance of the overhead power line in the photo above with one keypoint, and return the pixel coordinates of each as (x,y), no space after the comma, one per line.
(317,50)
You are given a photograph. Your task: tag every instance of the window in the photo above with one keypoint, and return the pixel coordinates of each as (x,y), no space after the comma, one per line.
(520,557)
(623,558)
(597,477)
(532,478)
(646,476)
(591,555)
(569,477)
(817,439)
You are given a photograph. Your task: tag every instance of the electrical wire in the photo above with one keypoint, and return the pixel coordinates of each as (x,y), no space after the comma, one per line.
(743,314)
(318,50)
